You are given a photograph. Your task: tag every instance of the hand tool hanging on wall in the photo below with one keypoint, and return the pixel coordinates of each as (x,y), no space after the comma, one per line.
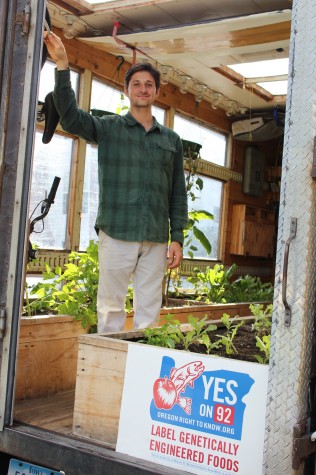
(45,207)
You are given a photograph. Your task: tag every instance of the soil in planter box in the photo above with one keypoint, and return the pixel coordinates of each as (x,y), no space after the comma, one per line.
(244,342)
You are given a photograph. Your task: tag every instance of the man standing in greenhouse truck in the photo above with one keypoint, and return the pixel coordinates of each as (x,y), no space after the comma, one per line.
(141,192)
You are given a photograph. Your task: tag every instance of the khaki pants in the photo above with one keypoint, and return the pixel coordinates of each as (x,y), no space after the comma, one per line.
(119,262)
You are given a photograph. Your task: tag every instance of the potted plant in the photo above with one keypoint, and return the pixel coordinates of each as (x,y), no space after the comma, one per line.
(191,149)
(121,109)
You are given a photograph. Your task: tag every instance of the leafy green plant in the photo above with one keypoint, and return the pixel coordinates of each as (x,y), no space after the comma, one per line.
(262,314)
(174,276)
(129,299)
(264,345)
(209,344)
(193,231)
(41,297)
(72,291)
(215,285)
(122,108)
(227,340)
(27,307)
(211,285)
(170,333)
(199,329)
(194,185)
(164,336)
(249,289)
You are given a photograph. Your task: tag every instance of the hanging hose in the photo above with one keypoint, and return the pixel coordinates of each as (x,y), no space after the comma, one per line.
(126,45)
(122,43)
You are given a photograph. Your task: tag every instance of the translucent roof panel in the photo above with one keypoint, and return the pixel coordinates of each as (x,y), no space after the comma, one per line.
(261,71)
(276,88)
(272,67)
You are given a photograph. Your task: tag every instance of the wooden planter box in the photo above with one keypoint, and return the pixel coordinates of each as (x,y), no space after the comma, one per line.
(99,386)
(213,311)
(100,381)
(123,401)
(47,355)
(48,346)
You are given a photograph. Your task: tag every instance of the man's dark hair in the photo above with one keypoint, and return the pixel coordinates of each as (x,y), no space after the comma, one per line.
(143,67)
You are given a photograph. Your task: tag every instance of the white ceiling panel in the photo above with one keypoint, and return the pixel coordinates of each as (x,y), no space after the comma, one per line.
(192,36)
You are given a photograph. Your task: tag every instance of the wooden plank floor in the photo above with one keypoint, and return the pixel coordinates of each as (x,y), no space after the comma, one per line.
(54,412)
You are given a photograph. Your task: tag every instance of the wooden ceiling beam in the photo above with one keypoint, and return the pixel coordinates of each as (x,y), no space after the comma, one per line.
(204,38)
(104,65)
(73,6)
(239,81)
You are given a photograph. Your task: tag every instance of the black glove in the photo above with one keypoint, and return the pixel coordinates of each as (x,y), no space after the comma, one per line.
(51,118)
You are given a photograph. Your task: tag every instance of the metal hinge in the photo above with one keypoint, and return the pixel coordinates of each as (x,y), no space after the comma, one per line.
(3,315)
(24,19)
(304,444)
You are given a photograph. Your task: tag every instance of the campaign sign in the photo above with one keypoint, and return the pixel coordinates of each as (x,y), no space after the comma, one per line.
(192,412)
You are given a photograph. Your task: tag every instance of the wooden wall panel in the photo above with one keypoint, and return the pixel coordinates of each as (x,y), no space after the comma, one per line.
(47,356)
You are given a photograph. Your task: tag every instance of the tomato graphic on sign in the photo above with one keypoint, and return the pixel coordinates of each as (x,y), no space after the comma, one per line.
(167,391)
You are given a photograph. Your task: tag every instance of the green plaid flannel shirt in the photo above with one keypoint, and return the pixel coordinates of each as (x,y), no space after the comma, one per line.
(141,178)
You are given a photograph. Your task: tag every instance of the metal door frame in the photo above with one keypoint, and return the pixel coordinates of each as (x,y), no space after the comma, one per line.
(293,337)
(20,66)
